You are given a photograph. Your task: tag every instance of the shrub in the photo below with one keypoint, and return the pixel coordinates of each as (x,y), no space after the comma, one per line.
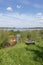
(3,38)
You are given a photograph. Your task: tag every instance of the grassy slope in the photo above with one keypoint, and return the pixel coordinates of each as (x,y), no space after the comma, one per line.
(22,54)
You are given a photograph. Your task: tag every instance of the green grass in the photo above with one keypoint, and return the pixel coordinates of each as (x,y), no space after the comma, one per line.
(21,54)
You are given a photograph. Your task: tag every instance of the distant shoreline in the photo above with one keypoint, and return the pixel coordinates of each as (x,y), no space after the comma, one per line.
(13,28)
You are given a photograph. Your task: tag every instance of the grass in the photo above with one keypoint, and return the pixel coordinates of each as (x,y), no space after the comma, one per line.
(21,54)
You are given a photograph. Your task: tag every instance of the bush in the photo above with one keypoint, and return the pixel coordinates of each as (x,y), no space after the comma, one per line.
(3,38)
(33,34)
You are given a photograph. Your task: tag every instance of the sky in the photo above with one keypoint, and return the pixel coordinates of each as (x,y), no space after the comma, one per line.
(21,13)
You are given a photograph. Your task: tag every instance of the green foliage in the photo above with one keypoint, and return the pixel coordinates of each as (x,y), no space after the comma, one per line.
(11,32)
(3,38)
(22,54)
(36,35)
(41,34)
(28,36)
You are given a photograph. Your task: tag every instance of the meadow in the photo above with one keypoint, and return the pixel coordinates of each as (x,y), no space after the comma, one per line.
(22,54)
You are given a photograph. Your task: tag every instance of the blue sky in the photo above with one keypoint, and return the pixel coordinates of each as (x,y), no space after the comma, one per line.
(21,13)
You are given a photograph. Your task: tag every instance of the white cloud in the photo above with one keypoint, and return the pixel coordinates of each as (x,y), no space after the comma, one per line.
(39,14)
(18,6)
(21,20)
(9,9)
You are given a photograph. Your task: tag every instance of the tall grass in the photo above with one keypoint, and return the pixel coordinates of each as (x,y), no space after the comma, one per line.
(36,35)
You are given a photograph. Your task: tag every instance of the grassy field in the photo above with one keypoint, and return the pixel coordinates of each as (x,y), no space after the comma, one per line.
(21,54)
